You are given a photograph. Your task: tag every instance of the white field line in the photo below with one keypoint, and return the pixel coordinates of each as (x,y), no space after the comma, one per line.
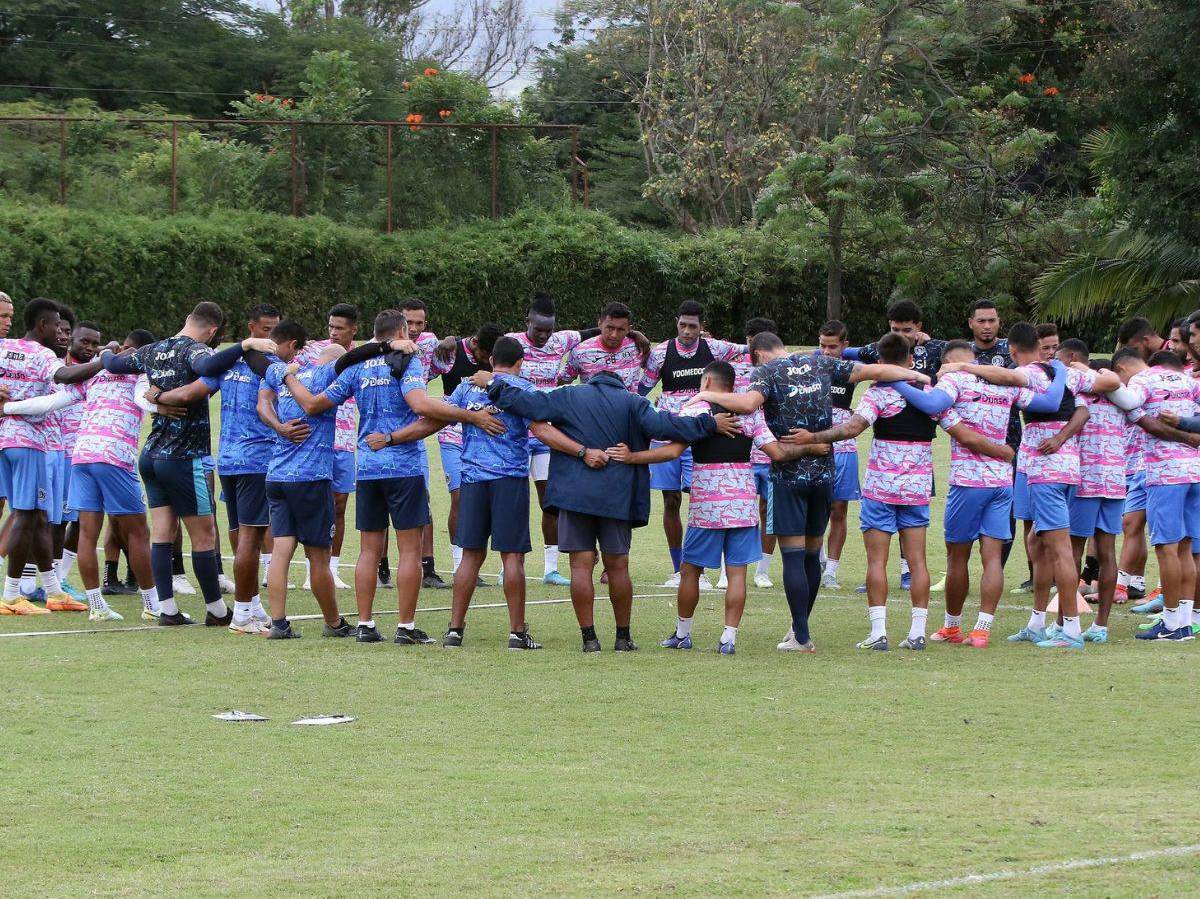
(1038,871)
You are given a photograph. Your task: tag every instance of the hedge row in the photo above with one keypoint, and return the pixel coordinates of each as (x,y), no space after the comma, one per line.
(130,272)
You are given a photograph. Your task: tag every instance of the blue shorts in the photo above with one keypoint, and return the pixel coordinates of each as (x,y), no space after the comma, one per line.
(673,475)
(246,500)
(798,510)
(302,509)
(1090,514)
(343,471)
(210,464)
(404,500)
(498,509)
(762,480)
(424,463)
(1050,505)
(974,512)
(1135,492)
(891,518)
(705,547)
(1022,505)
(1173,513)
(68,468)
(845,478)
(452,465)
(178,483)
(56,486)
(24,478)
(100,487)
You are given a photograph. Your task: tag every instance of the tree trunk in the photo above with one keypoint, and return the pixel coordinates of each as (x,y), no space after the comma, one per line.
(328,10)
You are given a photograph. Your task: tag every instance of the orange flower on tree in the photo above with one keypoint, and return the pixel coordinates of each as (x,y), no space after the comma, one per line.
(1051,91)
(406,85)
(1026,79)
(430,72)
(444,114)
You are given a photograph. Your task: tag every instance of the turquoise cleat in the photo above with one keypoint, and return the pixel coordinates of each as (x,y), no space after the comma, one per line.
(1028,635)
(1061,641)
(1149,607)
(1096,634)
(554,579)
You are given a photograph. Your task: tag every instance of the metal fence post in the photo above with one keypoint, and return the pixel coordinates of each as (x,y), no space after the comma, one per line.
(574,166)
(295,186)
(495,173)
(389,179)
(62,161)
(174,166)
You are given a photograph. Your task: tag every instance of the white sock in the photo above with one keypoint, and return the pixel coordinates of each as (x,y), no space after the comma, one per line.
(333,564)
(456,556)
(1138,581)
(95,601)
(984,622)
(1195,615)
(150,601)
(1071,626)
(878,618)
(550,555)
(1186,612)
(1123,578)
(1037,620)
(307,572)
(50,582)
(917,627)
(683,627)
(408,625)
(764,565)
(831,566)
(218,608)
(12,587)
(264,559)
(29,578)
(167,606)
(256,604)
(952,620)
(903,566)
(729,635)
(65,564)
(241,610)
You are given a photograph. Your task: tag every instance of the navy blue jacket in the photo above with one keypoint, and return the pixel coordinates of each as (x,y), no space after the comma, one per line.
(600,414)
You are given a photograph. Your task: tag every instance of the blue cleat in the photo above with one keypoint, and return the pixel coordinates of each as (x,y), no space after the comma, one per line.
(1157,632)
(1179,634)
(677,642)
(1096,634)
(37,595)
(1052,631)
(861,588)
(74,593)
(1061,640)
(725,649)
(1149,607)
(906,581)
(1028,635)
(554,579)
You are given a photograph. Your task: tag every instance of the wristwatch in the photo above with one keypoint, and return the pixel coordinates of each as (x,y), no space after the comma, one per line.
(389,438)
(582,452)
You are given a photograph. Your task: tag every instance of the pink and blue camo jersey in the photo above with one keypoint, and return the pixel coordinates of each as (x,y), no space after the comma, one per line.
(1061,467)
(986,409)
(591,357)
(1163,390)
(743,371)
(724,494)
(112,421)
(1102,450)
(543,365)
(346,434)
(899,472)
(26,370)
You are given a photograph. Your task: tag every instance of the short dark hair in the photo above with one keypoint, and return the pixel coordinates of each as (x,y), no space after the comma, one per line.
(1192,319)
(543,304)
(764,341)
(1120,356)
(88,325)
(1134,329)
(904,311)
(1178,323)
(835,328)
(413,303)
(208,313)
(1047,329)
(690,307)
(893,349)
(1074,345)
(722,372)
(140,337)
(389,322)
(1167,359)
(1023,336)
(507,351)
(615,310)
(67,314)
(1099,364)
(37,309)
(760,325)
(263,310)
(487,336)
(344,310)
(981,304)
(958,344)
(290,329)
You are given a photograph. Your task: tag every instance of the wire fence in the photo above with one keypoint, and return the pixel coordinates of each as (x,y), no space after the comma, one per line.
(380,174)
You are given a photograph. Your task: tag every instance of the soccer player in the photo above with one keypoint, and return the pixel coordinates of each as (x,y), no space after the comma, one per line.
(613,350)
(833,340)
(679,363)
(793,390)
(1048,341)
(29,368)
(171,463)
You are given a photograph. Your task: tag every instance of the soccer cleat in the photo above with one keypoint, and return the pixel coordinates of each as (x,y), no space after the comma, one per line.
(1179,634)
(1028,635)
(1154,632)
(260,615)
(21,606)
(624,644)
(978,639)
(181,586)
(554,579)
(225,584)
(672,582)
(1153,620)
(1052,631)
(1120,594)
(1151,606)
(179,619)
(726,648)
(914,643)
(341,629)
(338,583)
(591,645)
(1096,634)
(522,640)
(105,614)
(676,642)
(604,576)
(211,620)
(763,582)
(250,626)
(1061,640)
(282,633)
(75,594)
(60,602)
(365,634)
(861,589)
(412,636)
(829,581)
(452,639)
(940,586)
(705,584)
(1137,593)
(879,644)
(307,584)
(906,581)
(383,582)
(147,615)
(1021,588)
(791,644)
(723,582)
(37,595)
(115,588)
(947,635)
(432,581)
(480,582)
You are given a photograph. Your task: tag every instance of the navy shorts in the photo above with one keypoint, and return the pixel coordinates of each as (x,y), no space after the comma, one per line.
(579,532)
(246,500)
(302,509)
(845,478)
(404,500)
(178,483)
(498,509)
(799,510)
(974,512)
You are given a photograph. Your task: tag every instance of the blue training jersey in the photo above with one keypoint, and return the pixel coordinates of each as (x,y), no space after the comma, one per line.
(382,408)
(246,442)
(484,457)
(311,460)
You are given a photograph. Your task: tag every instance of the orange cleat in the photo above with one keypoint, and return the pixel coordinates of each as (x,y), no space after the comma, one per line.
(61,602)
(978,639)
(1121,594)
(948,635)
(21,607)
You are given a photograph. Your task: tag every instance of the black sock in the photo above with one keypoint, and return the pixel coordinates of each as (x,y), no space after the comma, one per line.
(204,566)
(589,633)
(427,566)
(280,624)
(110,572)
(812,571)
(623,633)
(1091,569)
(160,567)
(177,560)
(795,588)
(220,562)
(384,571)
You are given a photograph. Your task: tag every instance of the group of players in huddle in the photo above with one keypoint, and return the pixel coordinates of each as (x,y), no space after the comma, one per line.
(761,438)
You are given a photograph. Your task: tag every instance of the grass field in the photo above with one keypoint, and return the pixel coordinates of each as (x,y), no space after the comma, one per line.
(480,771)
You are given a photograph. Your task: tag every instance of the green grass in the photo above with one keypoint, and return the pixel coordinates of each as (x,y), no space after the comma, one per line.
(481,771)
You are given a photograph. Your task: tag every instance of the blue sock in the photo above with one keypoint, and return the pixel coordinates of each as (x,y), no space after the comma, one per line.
(795,587)
(812,573)
(676,556)
(280,624)
(161,568)
(204,566)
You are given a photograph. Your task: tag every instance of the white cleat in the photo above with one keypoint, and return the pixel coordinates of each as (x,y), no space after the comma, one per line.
(147,615)
(226,584)
(763,582)
(105,614)
(182,586)
(260,615)
(723,582)
(673,581)
(706,584)
(790,644)
(251,626)
(338,583)
(307,584)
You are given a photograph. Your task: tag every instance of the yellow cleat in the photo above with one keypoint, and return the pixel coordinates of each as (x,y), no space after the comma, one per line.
(21,607)
(61,602)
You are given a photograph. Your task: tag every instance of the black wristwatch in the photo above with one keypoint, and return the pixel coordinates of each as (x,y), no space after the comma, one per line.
(389,439)
(582,452)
